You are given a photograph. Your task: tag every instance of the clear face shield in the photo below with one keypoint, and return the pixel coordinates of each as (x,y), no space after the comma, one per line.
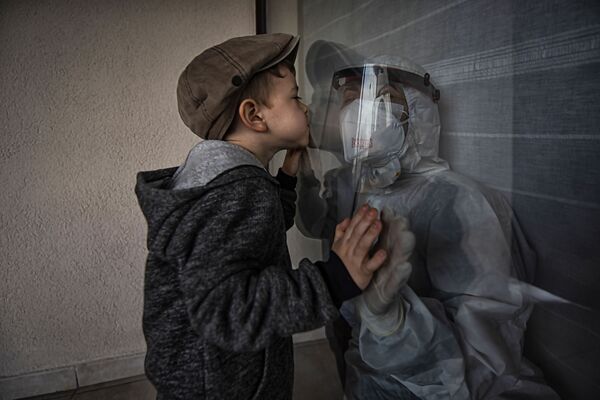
(372,118)
(365,130)
(372,112)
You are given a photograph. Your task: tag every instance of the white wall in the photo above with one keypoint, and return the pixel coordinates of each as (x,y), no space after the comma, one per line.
(88,99)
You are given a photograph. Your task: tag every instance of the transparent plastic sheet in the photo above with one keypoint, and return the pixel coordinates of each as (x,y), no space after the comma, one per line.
(465,328)
(368,129)
(467,302)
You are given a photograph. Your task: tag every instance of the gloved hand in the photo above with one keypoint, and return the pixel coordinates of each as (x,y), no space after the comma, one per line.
(399,243)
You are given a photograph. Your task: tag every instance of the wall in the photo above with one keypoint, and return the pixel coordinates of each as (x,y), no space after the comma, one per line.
(519,109)
(88,99)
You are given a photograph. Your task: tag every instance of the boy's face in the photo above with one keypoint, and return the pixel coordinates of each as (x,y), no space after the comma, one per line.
(287,118)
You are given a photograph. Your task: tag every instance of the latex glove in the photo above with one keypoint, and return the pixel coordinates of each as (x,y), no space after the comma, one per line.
(398,242)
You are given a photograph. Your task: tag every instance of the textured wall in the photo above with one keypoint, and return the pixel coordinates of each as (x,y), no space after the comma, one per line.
(88,99)
(519,111)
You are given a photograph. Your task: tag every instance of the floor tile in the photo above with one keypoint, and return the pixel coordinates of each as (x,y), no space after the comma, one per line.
(315,378)
(315,372)
(94,372)
(68,395)
(140,390)
(108,384)
(56,381)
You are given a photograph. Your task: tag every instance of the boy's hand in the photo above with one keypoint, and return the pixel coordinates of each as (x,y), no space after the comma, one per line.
(353,239)
(291,163)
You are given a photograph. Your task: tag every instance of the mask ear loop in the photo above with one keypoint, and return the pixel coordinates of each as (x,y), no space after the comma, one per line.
(414,136)
(384,100)
(405,122)
(405,132)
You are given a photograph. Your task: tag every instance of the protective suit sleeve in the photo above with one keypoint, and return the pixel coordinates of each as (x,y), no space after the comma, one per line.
(467,252)
(287,194)
(238,296)
(470,258)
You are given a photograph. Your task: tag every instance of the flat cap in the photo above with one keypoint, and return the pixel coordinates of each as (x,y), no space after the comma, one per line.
(210,87)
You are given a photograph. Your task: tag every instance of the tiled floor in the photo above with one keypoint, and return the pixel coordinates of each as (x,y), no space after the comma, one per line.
(315,379)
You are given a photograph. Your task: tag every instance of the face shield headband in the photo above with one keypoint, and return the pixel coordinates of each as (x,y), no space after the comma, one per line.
(422,83)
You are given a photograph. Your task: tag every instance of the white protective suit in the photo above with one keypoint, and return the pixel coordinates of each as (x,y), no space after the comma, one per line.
(455,331)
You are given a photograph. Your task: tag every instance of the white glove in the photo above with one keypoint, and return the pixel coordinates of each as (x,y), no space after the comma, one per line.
(399,243)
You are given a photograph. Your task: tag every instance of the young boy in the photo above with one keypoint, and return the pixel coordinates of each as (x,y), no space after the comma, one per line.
(221,300)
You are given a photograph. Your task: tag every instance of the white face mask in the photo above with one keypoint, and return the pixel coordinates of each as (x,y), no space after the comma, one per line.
(370,129)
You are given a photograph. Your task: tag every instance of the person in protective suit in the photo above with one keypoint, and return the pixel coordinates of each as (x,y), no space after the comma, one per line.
(445,316)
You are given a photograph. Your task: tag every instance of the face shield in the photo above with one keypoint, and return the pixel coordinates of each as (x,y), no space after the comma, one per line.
(372,113)
(366,125)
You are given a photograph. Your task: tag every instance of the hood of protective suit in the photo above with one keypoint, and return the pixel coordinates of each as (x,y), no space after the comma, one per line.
(419,154)
(423,130)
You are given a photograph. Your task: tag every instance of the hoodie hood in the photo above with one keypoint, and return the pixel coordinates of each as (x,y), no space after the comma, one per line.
(209,159)
(166,195)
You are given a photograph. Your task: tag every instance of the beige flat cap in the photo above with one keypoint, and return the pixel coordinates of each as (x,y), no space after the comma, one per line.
(209,88)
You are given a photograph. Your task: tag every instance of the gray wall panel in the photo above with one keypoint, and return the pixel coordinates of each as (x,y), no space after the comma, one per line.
(565,238)
(555,167)
(449,29)
(571,352)
(520,111)
(480,158)
(569,355)
(463,105)
(564,168)
(563,101)
(557,225)
(538,19)
(575,283)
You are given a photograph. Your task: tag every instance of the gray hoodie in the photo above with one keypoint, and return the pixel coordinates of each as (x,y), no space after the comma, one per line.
(221,299)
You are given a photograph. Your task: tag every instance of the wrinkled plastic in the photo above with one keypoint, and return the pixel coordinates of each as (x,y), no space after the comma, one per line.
(456,329)
(423,356)
(462,336)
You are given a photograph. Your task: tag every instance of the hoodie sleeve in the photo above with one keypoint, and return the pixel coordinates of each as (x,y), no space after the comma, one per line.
(238,295)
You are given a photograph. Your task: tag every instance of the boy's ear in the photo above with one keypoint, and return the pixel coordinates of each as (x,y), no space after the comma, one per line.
(251,116)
